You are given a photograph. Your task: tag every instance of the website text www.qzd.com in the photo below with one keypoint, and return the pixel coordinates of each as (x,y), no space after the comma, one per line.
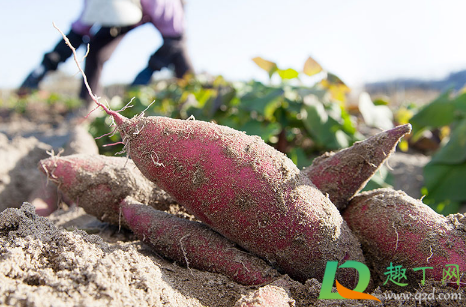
(423,296)
(395,274)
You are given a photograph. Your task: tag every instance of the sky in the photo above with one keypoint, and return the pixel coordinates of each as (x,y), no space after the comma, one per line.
(359,40)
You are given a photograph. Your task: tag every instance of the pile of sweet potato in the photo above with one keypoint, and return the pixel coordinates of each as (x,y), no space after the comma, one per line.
(258,214)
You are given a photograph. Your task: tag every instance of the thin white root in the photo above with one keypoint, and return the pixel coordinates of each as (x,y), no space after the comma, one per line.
(431,254)
(388,165)
(156,163)
(138,130)
(110,134)
(184,254)
(127,106)
(46,174)
(144,111)
(75,56)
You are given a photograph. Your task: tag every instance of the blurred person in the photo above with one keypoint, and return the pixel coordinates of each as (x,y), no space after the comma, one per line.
(95,13)
(116,18)
(168,18)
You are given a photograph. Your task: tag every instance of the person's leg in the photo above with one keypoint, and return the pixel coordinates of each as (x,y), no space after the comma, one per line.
(101,47)
(51,60)
(182,62)
(172,52)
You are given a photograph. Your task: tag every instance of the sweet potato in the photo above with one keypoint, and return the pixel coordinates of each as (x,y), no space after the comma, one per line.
(344,173)
(395,228)
(100,183)
(243,189)
(195,245)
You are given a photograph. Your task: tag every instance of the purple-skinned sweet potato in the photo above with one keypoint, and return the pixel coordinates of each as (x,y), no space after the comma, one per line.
(245,190)
(242,188)
(194,244)
(343,174)
(395,228)
(99,183)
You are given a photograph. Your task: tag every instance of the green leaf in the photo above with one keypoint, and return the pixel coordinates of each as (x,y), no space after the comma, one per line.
(334,79)
(445,182)
(460,103)
(287,74)
(265,131)
(454,152)
(381,179)
(315,91)
(375,116)
(438,113)
(324,130)
(381,102)
(299,157)
(263,104)
(348,125)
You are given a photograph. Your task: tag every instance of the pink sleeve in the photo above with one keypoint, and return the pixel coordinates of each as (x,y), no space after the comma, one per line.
(78,26)
(166,15)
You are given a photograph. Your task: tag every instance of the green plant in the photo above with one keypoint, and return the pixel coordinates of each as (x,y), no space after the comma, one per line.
(51,100)
(445,174)
(299,120)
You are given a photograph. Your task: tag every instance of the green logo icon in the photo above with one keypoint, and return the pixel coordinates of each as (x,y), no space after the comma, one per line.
(343,292)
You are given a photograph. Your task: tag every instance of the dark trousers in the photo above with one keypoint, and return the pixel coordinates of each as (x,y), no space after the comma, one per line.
(61,52)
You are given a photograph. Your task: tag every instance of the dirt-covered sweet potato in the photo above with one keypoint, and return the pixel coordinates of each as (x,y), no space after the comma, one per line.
(244,189)
(99,183)
(396,229)
(344,173)
(194,244)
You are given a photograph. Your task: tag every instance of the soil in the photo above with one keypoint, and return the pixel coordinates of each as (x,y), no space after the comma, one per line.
(72,259)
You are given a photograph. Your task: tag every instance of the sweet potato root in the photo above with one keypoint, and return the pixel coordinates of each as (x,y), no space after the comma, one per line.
(245,190)
(395,228)
(344,173)
(100,183)
(195,245)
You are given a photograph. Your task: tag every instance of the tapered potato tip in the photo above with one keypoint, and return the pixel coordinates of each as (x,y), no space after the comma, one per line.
(64,170)
(343,174)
